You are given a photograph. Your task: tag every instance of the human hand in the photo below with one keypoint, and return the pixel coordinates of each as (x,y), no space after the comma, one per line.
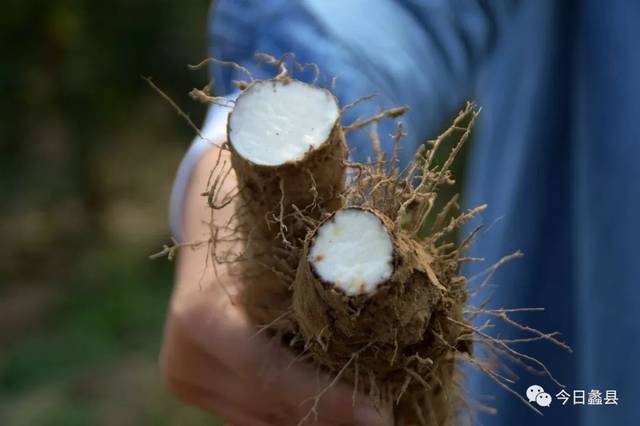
(212,358)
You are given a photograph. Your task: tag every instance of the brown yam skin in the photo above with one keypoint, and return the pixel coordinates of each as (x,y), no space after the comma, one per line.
(397,312)
(317,178)
(261,191)
(312,184)
(396,320)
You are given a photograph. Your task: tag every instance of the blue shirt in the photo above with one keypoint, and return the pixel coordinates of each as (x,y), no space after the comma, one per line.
(556,154)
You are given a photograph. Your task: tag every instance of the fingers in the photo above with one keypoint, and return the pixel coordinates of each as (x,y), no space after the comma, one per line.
(219,406)
(202,380)
(274,394)
(305,387)
(272,370)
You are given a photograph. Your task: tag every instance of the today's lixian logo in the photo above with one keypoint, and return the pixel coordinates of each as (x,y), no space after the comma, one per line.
(536,394)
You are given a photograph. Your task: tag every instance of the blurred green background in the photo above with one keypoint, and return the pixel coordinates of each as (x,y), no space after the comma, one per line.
(88,155)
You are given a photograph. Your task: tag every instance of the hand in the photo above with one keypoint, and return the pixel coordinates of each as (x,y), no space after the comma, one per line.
(212,358)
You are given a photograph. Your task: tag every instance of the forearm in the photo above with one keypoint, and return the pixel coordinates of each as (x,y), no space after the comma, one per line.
(198,217)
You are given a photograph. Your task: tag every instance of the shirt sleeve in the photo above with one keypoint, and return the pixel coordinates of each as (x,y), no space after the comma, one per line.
(423,54)
(213,130)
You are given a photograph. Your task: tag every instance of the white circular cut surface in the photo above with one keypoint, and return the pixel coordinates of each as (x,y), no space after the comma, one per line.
(273,123)
(353,251)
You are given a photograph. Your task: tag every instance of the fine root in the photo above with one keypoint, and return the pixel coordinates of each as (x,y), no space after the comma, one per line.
(421,380)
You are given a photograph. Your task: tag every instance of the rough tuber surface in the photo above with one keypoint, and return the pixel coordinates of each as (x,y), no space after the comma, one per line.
(361,275)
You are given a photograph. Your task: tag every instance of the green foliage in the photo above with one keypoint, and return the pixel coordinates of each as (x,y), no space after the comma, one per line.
(87,156)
